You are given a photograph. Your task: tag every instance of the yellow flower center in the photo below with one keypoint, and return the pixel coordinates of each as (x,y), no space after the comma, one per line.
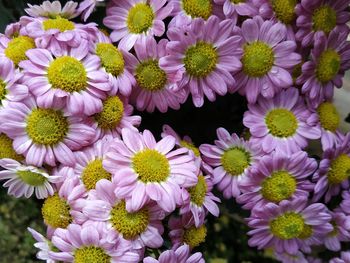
(150,76)
(328,65)
(140,18)
(62,24)
(306,232)
(198,8)
(68,74)
(111,58)
(237,1)
(112,113)
(279,186)
(47,126)
(31,178)
(195,236)
(284,10)
(129,224)
(91,254)
(287,226)
(6,149)
(151,166)
(258,59)
(199,191)
(329,116)
(324,19)
(200,59)
(17,48)
(3,90)
(281,123)
(235,160)
(339,169)
(55,211)
(191,147)
(94,172)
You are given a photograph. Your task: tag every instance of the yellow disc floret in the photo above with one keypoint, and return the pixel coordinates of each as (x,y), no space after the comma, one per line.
(195,236)
(328,65)
(3,90)
(235,160)
(198,192)
(91,254)
(324,19)
(287,226)
(6,149)
(281,123)
(31,178)
(68,74)
(151,166)
(281,185)
(306,232)
(190,146)
(150,76)
(94,172)
(237,1)
(17,48)
(112,113)
(284,10)
(130,225)
(339,169)
(56,212)
(140,18)
(198,8)
(329,116)
(111,58)
(47,126)
(62,24)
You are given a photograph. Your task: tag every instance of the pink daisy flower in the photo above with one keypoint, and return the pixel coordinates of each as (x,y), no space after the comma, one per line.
(86,7)
(320,15)
(231,159)
(206,55)
(267,60)
(155,88)
(74,80)
(135,20)
(53,9)
(282,123)
(91,242)
(330,58)
(181,254)
(43,244)
(237,8)
(142,227)
(145,170)
(44,135)
(278,177)
(340,233)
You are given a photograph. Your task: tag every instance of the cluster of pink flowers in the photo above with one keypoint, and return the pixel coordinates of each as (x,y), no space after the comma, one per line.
(113,193)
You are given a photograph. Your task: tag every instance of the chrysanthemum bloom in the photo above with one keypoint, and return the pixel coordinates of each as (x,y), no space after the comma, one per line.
(281,123)
(44,135)
(344,258)
(23,180)
(43,244)
(136,19)
(6,149)
(281,226)
(278,177)
(91,242)
(333,173)
(115,115)
(145,170)
(86,7)
(53,9)
(74,80)
(183,231)
(142,227)
(320,15)
(231,158)
(235,8)
(206,55)
(267,60)
(116,63)
(11,88)
(330,58)
(299,257)
(181,254)
(155,88)
(340,233)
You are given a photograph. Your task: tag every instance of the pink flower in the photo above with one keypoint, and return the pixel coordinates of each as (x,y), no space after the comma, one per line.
(53,9)
(181,254)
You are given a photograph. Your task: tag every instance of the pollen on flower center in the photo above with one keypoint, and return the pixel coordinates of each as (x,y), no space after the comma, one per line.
(3,90)
(287,226)
(198,8)
(17,47)
(281,122)
(112,113)
(200,59)
(281,185)
(235,160)
(6,148)
(68,74)
(198,192)
(284,10)
(62,24)
(339,169)
(151,166)
(55,211)
(306,232)
(94,172)
(258,59)
(324,19)
(150,76)
(130,225)
(91,254)
(329,116)
(328,65)
(111,58)
(140,18)
(31,178)
(191,147)
(195,236)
